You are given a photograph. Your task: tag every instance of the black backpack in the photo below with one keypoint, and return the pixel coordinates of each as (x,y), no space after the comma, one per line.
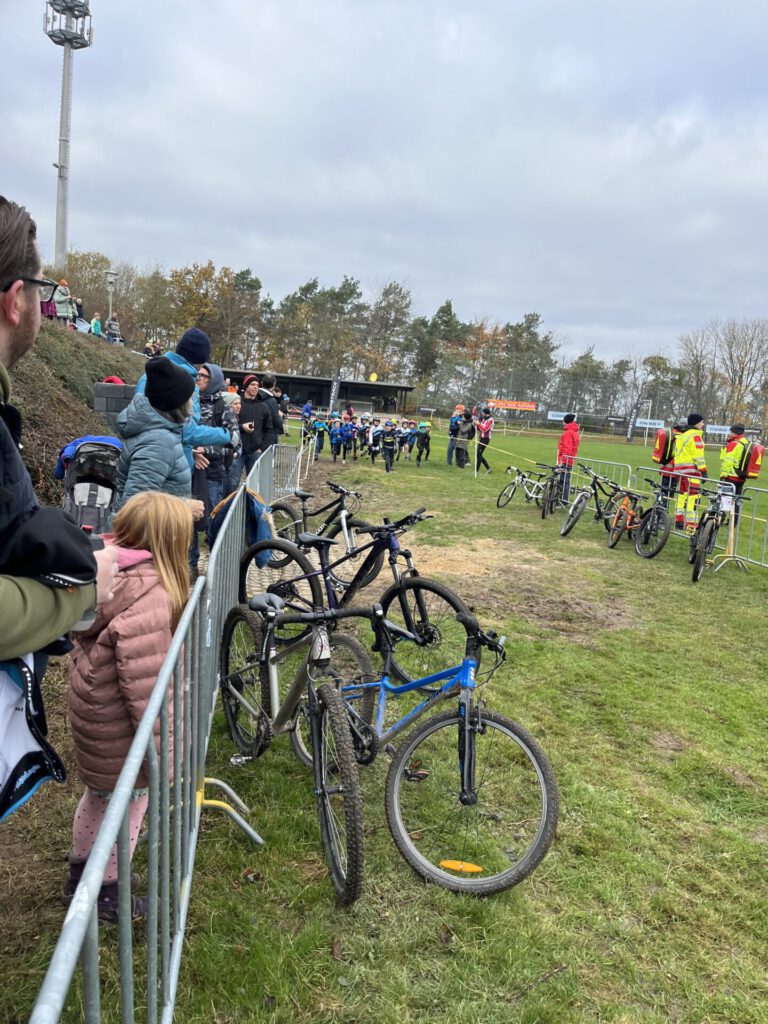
(90,483)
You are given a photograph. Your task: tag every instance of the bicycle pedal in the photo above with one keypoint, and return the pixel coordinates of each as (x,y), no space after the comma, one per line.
(237,760)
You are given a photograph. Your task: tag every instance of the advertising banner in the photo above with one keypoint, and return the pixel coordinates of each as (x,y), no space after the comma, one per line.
(642,424)
(511,403)
(716,428)
(335,388)
(632,421)
(552,415)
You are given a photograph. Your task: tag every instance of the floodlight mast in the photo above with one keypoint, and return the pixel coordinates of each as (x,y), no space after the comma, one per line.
(67,24)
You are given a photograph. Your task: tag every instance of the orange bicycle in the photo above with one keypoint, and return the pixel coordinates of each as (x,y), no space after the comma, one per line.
(626,517)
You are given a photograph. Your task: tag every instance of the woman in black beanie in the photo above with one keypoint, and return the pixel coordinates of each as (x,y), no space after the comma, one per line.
(153,458)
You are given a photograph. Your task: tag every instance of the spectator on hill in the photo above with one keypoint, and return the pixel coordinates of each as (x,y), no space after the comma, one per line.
(96,325)
(113,670)
(112,329)
(149,349)
(65,307)
(34,542)
(192,350)
(79,308)
(567,450)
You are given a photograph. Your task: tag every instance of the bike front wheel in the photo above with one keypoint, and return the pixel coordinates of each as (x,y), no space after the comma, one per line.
(350,665)
(652,533)
(294,580)
(428,610)
(339,804)
(574,513)
(481,845)
(506,495)
(618,526)
(704,542)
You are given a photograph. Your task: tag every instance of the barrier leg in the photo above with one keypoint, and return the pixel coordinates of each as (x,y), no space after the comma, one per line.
(222,805)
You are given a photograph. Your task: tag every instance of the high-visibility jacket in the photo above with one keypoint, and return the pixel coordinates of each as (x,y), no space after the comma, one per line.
(689,452)
(730,456)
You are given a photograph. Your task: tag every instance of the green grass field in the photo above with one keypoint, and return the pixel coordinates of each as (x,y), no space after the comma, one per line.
(648,694)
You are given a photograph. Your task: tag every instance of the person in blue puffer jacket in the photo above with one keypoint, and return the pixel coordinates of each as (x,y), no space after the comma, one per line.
(192,350)
(153,457)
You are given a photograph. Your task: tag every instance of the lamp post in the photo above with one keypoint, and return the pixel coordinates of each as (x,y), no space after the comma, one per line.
(110,277)
(67,23)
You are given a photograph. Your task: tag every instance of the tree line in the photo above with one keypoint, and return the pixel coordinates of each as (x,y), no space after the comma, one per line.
(720,369)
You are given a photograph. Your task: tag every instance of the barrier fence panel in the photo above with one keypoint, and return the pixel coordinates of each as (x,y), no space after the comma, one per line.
(619,472)
(752,532)
(288,463)
(178,718)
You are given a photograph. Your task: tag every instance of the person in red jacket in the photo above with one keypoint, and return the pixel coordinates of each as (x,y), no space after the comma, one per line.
(567,450)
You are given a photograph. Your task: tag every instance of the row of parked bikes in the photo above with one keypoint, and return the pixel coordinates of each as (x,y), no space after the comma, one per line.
(470,796)
(622,511)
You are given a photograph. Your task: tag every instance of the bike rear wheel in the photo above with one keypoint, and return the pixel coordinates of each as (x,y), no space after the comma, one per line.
(546,498)
(652,533)
(506,495)
(482,847)
(292,580)
(574,513)
(286,524)
(703,544)
(339,804)
(428,610)
(240,680)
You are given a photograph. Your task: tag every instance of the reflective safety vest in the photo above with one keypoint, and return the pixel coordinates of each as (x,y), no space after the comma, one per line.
(689,452)
(731,455)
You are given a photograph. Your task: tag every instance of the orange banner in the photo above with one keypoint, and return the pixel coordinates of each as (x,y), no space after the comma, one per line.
(507,403)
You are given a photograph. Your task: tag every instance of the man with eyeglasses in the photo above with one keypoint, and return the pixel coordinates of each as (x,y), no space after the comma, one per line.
(36,544)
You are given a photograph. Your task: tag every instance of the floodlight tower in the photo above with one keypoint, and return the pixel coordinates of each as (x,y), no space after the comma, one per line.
(68,24)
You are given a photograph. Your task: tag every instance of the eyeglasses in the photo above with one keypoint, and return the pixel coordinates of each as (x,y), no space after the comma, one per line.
(203,376)
(47,288)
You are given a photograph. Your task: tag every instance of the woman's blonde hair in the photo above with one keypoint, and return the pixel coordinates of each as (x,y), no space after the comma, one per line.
(161,524)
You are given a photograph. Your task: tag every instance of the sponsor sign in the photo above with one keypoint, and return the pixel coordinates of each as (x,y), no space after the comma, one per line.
(632,422)
(335,388)
(642,424)
(717,428)
(511,403)
(552,415)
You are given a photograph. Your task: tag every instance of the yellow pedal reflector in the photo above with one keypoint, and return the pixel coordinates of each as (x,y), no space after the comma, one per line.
(462,867)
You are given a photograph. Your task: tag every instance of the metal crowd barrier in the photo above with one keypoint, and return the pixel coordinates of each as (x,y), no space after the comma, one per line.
(184,696)
(619,472)
(291,466)
(751,535)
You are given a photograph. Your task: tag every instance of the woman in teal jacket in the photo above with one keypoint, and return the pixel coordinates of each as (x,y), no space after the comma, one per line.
(153,458)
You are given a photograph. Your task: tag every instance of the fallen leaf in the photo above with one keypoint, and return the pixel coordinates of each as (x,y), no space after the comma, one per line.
(336,949)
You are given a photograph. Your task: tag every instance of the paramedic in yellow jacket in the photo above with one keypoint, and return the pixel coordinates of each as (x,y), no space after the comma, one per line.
(731,455)
(690,463)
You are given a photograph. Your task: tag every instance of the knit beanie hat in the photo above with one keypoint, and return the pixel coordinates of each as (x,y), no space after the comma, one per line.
(168,386)
(694,418)
(194,346)
(249,380)
(569,417)
(737,428)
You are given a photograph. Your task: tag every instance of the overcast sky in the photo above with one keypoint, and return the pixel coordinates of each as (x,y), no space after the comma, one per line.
(604,164)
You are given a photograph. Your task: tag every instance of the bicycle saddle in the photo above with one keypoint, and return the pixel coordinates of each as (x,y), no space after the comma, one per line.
(263,603)
(302,494)
(311,540)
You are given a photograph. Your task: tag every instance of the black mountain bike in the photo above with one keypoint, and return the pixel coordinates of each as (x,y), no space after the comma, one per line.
(552,491)
(703,540)
(431,637)
(289,522)
(602,492)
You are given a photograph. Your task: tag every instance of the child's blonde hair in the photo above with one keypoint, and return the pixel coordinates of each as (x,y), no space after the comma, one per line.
(161,524)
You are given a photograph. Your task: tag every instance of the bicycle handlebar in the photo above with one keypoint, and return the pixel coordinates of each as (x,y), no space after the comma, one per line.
(338,489)
(400,524)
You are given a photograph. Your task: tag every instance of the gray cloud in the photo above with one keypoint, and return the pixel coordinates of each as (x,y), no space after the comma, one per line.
(600,164)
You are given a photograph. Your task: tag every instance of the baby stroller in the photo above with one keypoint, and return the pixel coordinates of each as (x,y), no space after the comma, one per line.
(88,467)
